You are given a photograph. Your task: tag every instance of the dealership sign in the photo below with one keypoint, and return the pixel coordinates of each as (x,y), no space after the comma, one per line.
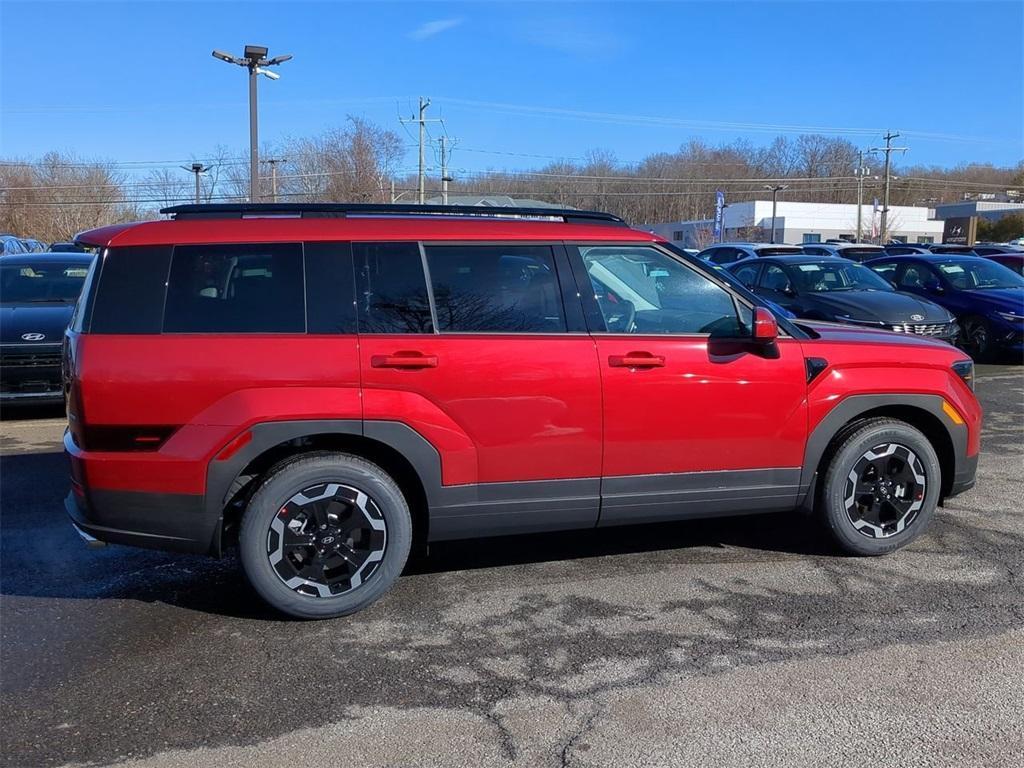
(960,231)
(719,213)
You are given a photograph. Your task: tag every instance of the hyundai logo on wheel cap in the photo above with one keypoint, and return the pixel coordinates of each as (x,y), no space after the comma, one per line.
(33,336)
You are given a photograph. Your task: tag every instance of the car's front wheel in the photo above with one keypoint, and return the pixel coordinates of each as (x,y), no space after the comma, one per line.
(325,535)
(881,487)
(976,338)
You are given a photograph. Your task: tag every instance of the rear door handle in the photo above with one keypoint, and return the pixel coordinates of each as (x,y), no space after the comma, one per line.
(408,360)
(637,360)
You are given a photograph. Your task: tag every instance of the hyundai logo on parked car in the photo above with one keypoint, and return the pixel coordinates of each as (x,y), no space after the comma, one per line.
(33,336)
(917,318)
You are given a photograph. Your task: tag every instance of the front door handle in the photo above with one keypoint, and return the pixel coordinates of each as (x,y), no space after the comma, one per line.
(637,360)
(409,360)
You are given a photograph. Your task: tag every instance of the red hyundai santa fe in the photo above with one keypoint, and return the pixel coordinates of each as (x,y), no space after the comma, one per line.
(326,384)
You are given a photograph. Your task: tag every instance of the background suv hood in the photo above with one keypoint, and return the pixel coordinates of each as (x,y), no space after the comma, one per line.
(886,306)
(48,319)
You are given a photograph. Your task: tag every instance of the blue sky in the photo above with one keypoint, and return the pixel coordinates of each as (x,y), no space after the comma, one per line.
(515,82)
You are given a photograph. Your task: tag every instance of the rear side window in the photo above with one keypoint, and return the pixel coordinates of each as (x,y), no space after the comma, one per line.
(391,288)
(251,288)
(130,296)
(495,289)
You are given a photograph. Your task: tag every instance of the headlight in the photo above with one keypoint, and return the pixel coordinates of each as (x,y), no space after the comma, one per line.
(1011,317)
(965,370)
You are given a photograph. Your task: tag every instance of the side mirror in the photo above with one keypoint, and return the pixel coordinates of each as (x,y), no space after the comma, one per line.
(933,286)
(766,329)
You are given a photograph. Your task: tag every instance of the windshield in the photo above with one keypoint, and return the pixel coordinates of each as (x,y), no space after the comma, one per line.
(825,277)
(968,275)
(44,283)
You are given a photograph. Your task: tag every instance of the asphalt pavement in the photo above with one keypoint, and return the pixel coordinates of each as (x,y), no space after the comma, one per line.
(732,642)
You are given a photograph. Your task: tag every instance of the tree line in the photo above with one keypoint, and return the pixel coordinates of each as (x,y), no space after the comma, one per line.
(57,195)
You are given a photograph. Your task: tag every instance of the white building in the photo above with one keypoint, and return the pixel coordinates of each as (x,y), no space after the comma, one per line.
(803,223)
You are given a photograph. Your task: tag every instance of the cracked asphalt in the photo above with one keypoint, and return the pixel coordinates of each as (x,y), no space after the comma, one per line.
(732,642)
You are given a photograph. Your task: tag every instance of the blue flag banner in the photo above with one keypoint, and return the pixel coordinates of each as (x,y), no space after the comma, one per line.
(719,212)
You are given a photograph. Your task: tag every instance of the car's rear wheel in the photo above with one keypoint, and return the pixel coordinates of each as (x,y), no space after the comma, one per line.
(881,487)
(976,338)
(325,535)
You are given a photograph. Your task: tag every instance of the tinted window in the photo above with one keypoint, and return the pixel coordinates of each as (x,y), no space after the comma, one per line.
(511,289)
(130,295)
(916,275)
(886,269)
(642,290)
(746,274)
(725,256)
(391,291)
(775,279)
(978,274)
(251,288)
(330,288)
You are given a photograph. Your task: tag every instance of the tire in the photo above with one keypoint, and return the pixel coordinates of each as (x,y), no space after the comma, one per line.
(899,449)
(976,338)
(334,526)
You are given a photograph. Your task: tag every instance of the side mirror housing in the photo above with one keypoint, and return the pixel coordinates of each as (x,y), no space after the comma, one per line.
(933,286)
(766,329)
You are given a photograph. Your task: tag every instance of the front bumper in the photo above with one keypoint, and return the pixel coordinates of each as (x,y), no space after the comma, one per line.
(963,480)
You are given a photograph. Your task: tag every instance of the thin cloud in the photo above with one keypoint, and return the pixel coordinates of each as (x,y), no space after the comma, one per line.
(431,28)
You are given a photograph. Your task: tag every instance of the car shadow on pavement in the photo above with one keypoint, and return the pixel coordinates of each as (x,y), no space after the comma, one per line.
(43,556)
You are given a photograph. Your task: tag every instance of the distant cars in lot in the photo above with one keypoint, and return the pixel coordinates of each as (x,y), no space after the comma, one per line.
(987,298)
(32,245)
(907,249)
(68,248)
(851,251)
(10,245)
(994,249)
(38,292)
(842,291)
(1014,261)
(727,253)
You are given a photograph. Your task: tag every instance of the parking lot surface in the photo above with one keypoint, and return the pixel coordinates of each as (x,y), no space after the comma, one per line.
(728,642)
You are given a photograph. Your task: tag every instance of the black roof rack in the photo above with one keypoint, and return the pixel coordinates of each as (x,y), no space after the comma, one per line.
(342,210)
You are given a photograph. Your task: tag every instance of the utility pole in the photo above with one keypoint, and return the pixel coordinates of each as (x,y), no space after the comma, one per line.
(888,149)
(775,189)
(424,103)
(860,171)
(255,60)
(197,168)
(273,176)
(445,178)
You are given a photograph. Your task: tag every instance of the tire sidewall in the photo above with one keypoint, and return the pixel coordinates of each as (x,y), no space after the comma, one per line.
(296,476)
(836,517)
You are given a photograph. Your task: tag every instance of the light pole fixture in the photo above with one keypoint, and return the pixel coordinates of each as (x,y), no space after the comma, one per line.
(775,189)
(255,60)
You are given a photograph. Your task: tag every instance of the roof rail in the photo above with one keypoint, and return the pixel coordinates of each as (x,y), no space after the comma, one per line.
(343,210)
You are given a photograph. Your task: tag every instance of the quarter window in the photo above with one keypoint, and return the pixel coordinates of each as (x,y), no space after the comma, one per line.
(642,290)
(391,289)
(497,289)
(250,288)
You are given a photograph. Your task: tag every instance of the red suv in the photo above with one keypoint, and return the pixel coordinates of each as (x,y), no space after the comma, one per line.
(325,384)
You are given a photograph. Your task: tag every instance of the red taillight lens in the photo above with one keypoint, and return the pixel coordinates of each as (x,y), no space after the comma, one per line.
(125,438)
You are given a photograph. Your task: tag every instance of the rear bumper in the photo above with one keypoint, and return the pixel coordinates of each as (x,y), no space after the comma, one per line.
(170,521)
(153,521)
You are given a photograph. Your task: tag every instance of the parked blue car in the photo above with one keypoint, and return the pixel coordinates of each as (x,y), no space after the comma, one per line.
(986,297)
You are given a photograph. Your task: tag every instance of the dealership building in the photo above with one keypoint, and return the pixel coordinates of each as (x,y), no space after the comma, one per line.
(803,223)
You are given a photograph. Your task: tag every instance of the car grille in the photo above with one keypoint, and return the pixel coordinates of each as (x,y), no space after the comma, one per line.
(934,329)
(38,357)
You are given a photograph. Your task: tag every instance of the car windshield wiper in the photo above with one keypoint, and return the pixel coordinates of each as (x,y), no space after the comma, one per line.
(49,301)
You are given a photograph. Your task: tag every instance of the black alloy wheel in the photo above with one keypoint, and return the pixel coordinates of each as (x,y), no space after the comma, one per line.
(885,490)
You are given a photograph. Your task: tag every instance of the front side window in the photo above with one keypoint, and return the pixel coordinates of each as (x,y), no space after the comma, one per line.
(747,274)
(391,289)
(916,275)
(251,288)
(776,279)
(644,291)
(495,289)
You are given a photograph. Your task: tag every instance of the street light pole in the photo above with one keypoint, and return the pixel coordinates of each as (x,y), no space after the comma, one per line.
(861,171)
(775,188)
(197,168)
(254,59)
